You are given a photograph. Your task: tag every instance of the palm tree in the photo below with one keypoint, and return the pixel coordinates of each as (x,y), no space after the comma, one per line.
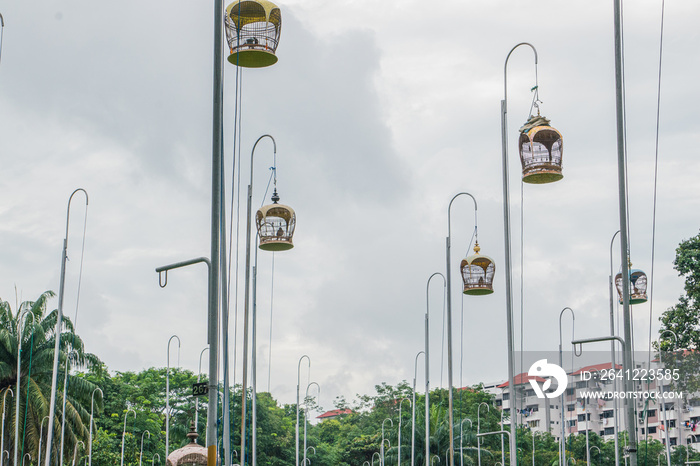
(37,347)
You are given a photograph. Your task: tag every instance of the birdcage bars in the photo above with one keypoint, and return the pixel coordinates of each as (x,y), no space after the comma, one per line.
(540,151)
(638,286)
(276,223)
(477,273)
(253,30)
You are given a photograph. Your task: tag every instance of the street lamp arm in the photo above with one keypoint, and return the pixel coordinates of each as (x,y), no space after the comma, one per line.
(252,153)
(594,340)
(177,265)
(449,209)
(505,70)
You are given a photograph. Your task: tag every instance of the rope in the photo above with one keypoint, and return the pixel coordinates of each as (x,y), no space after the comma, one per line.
(653,221)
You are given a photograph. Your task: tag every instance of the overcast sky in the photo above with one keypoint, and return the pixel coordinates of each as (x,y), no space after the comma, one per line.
(382,111)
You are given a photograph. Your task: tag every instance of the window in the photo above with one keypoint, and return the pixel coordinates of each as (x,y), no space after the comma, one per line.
(529,393)
(570,391)
(651,413)
(571,407)
(582,417)
(669,406)
(673,441)
(652,430)
(581,384)
(572,423)
(608,414)
(506,412)
(499,403)
(532,424)
(610,431)
(506,396)
(532,408)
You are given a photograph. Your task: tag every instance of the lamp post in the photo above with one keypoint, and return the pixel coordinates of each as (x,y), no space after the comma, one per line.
(533,172)
(30,458)
(154,458)
(306,410)
(380,458)
(399,440)
(663,404)
(298,382)
(309,459)
(141,454)
(19,357)
(461,437)
(382,446)
(57,332)
(597,448)
(167,395)
(196,400)
(478,429)
(413,410)
(41,434)
(2,435)
(92,406)
(612,354)
(562,451)
(75,451)
(124,431)
(427,361)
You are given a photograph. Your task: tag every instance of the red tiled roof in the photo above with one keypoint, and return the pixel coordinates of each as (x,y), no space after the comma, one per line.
(334,413)
(521,379)
(596,367)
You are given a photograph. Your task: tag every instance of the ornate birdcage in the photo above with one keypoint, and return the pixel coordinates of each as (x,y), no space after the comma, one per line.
(540,151)
(191,454)
(276,223)
(253,32)
(638,286)
(477,273)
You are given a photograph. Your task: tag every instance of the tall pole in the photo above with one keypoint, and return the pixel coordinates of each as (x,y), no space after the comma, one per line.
(413,410)
(215,255)
(427,362)
(562,449)
(612,355)
(65,398)
(450,396)
(2,435)
(196,400)
(123,432)
(399,440)
(57,332)
(141,454)
(246,319)
(19,356)
(506,236)
(92,406)
(461,438)
(298,382)
(631,422)
(306,410)
(382,446)
(167,395)
(663,405)
(478,430)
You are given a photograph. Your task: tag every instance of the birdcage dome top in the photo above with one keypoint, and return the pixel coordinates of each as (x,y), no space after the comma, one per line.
(251,11)
(277,210)
(191,454)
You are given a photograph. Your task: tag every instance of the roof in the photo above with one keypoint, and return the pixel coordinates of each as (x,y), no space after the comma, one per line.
(597,368)
(521,379)
(334,413)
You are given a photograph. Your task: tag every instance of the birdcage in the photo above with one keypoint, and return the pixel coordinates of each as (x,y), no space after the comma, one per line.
(276,223)
(253,32)
(540,151)
(638,286)
(477,273)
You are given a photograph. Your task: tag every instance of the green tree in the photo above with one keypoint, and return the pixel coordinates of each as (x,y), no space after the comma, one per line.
(36,344)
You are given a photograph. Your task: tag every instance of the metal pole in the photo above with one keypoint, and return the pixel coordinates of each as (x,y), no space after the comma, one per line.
(244,380)
(254,364)
(612,354)
(19,356)
(399,440)
(427,363)
(562,449)
(413,410)
(382,446)
(124,432)
(478,429)
(298,382)
(57,331)
(624,247)
(167,395)
(663,404)
(92,407)
(450,397)
(461,438)
(306,410)
(215,255)
(65,397)
(41,434)
(588,426)
(2,436)
(196,400)
(141,454)
(506,235)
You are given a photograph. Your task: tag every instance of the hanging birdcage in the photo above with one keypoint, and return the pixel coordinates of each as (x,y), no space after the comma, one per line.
(638,286)
(276,223)
(477,273)
(253,32)
(540,151)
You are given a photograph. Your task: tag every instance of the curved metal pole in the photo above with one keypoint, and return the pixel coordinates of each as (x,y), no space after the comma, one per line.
(612,355)
(413,410)
(73,353)
(141,454)
(154,458)
(599,452)
(478,429)
(25,457)
(449,321)
(380,458)
(19,357)
(432,462)
(506,235)
(309,459)
(167,394)
(124,431)
(57,331)
(196,400)
(399,440)
(2,25)
(92,406)
(244,380)
(2,435)
(562,448)
(306,410)
(663,405)
(41,434)
(382,445)
(75,451)
(461,438)
(427,361)
(298,382)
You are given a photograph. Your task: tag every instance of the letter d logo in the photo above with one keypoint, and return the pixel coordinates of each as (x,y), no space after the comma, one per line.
(548,371)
